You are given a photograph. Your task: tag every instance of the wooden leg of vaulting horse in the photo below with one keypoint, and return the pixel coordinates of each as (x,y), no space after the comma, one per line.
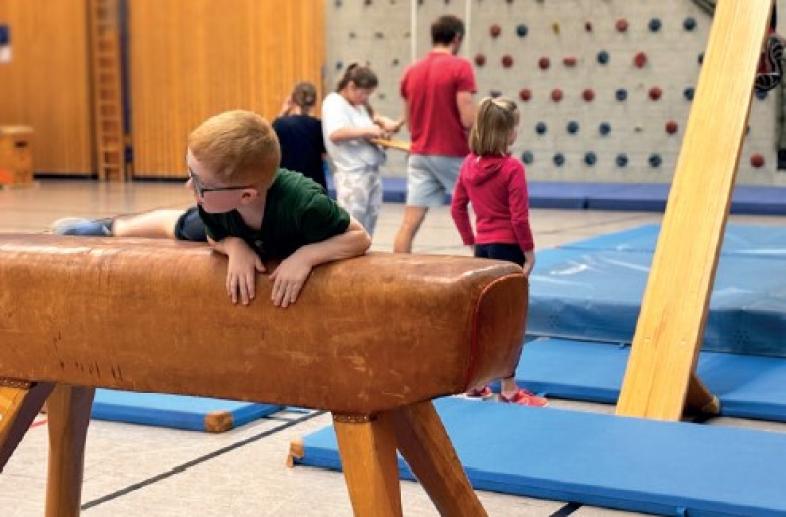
(699,399)
(69,414)
(425,445)
(20,402)
(368,457)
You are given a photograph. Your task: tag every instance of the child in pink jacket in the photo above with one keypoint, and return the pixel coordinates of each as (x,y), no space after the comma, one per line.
(494,182)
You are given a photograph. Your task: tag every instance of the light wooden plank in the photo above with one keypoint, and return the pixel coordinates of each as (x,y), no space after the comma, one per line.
(675,305)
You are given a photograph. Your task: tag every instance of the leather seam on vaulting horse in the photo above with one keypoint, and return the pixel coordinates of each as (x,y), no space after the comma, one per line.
(473,346)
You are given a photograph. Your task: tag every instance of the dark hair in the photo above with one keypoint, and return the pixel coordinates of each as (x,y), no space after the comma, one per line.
(445,30)
(304,95)
(362,76)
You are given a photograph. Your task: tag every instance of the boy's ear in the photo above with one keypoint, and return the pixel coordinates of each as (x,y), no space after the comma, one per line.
(249,195)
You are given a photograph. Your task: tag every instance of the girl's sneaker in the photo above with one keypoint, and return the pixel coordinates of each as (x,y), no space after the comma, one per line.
(770,69)
(483,393)
(524,398)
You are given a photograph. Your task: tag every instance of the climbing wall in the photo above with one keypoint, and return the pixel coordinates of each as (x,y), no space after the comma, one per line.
(604,86)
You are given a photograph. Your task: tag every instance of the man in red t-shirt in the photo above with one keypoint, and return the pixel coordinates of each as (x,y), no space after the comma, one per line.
(438,92)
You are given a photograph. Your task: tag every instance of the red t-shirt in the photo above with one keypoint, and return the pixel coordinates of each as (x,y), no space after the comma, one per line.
(430,87)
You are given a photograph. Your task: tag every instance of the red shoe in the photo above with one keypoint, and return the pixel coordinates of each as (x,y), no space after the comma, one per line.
(484,392)
(524,398)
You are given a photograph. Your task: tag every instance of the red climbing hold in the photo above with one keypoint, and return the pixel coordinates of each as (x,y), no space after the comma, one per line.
(556,95)
(655,93)
(640,59)
(588,26)
(544,63)
(588,95)
(480,59)
(621,25)
(671,127)
(569,61)
(525,94)
(507,61)
(495,30)
(757,160)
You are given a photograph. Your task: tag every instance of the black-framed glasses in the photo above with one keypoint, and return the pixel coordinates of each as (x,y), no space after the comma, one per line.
(201,189)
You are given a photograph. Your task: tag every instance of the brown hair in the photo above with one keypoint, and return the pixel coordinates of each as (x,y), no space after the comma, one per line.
(304,95)
(445,29)
(240,146)
(495,120)
(362,76)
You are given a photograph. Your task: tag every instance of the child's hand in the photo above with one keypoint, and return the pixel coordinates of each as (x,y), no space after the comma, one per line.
(288,279)
(374,132)
(242,270)
(529,256)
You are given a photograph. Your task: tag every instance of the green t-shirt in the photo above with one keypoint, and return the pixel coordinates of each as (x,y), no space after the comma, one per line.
(297,212)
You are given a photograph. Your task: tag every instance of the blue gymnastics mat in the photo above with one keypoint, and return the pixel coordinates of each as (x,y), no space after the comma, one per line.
(631,464)
(748,386)
(176,411)
(596,295)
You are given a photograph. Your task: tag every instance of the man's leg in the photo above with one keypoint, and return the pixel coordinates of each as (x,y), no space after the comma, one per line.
(413,218)
(423,191)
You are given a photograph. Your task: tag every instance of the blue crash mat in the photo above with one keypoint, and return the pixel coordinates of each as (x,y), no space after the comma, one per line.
(638,465)
(176,411)
(739,239)
(596,295)
(748,386)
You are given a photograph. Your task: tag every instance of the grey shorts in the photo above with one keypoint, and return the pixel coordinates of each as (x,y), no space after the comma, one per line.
(431,178)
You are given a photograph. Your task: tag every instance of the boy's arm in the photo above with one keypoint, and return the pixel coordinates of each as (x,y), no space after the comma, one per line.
(242,267)
(292,273)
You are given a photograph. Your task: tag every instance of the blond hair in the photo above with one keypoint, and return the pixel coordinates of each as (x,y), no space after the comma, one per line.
(496,119)
(239,145)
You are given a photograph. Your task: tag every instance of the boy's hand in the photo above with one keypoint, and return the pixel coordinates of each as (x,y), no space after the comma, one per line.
(288,279)
(529,256)
(241,270)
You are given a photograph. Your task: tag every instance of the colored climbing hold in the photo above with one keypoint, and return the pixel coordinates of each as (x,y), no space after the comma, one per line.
(621,25)
(521,30)
(655,93)
(480,59)
(588,26)
(544,63)
(525,94)
(671,127)
(559,159)
(495,30)
(351,35)
(621,94)
(700,59)
(640,59)
(654,25)
(604,128)
(688,93)
(379,35)
(527,157)
(555,27)
(395,61)
(603,57)
(621,160)
(590,158)
(572,127)
(689,23)
(569,61)
(507,61)
(540,128)
(655,160)
(339,65)
(556,95)
(757,160)
(588,95)
(338,3)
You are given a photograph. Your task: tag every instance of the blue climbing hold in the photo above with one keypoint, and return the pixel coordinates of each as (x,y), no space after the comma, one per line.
(590,158)
(689,23)
(621,160)
(603,57)
(655,160)
(604,128)
(540,128)
(655,25)
(621,94)
(688,93)
(527,157)
(339,65)
(521,30)
(573,127)
(559,159)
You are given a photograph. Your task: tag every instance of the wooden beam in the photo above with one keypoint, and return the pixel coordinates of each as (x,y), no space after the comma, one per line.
(20,402)
(675,305)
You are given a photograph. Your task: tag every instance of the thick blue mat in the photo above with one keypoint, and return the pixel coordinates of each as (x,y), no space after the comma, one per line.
(175,411)
(748,386)
(639,465)
(596,295)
